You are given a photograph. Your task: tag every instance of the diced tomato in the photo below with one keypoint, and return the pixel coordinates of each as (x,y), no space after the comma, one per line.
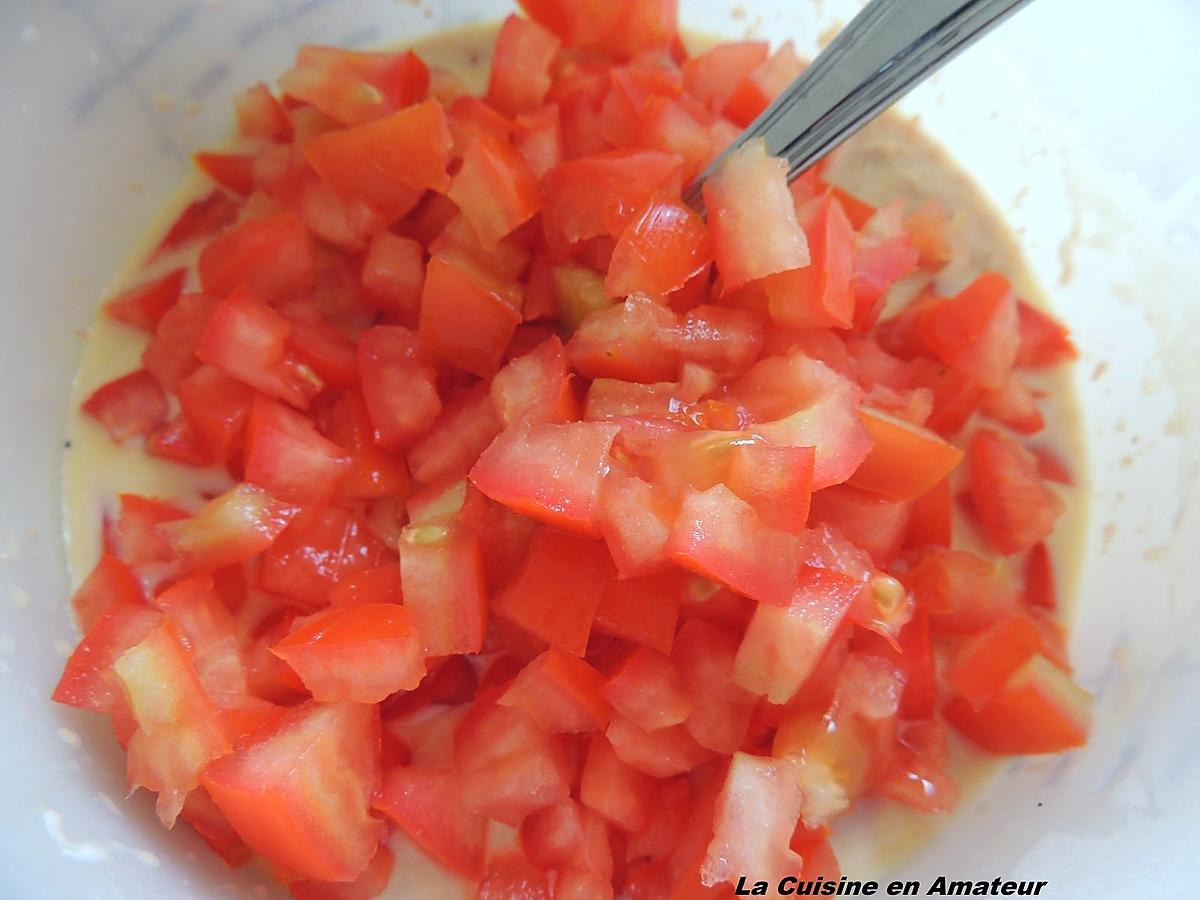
(135,538)
(233,171)
(210,823)
(706,657)
(111,583)
(560,693)
(520,75)
(1039,710)
(649,690)
(217,407)
(975,332)
(911,651)
(179,442)
(379,585)
(506,766)
(642,610)
(724,340)
(495,189)
(664,246)
(326,351)
(661,753)
(471,119)
(199,219)
(129,407)
(962,592)
(356,87)
(512,876)
(750,188)
(260,116)
(88,680)
(549,472)
(271,257)
(1040,585)
(399,384)
(905,461)
(621,794)
(375,472)
(714,75)
(393,275)
(317,552)
(178,729)
(931,518)
(577,24)
(1015,507)
(1044,341)
(427,805)
(955,396)
(359,654)
(300,794)
(370,883)
(776,481)
(535,386)
(539,140)
(144,306)
(783,645)
(983,666)
(1013,404)
(883,254)
(288,458)
(763,84)
(441,569)
(247,340)
(468,315)
(229,529)
(929,225)
(568,836)
(208,628)
(556,589)
(755,816)
(467,425)
(874,524)
(389,162)
(632,341)
(587,198)
(171,354)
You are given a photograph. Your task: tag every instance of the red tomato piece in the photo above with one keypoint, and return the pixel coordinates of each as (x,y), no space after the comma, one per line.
(568,836)
(556,589)
(1044,341)
(819,295)
(271,257)
(144,306)
(1039,710)
(178,730)
(317,552)
(931,518)
(379,585)
(88,680)
(307,812)
(512,876)
(720,536)
(506,766)
(247,340)
(326,351)
(231,528)
(649,690)
(111,583)
(535,386)
(576,23)
(371,882)
(427,805)
(135,538)
(360,654)
(548,472)
(471,119)
(1013,404)
(171,354)
(217,407)
(715,74)
(179,442)
(756,813)
(495,189)
(399,384)
(441,570)
(661,753)
(260,116)
(356,87)
(200,219)
(706,656)
(520,75)
(642,610)
(587,198)
(386,163)
(208,628)
(233,171)
(663,246)
(983,665)
(128,407)
(1015,507)
(874,524)
(560,693)
(504,260)
(963,593)
(210,823)
(749,190)
(631,341)
(1040,585)
(975,332)
(538,138)
(883,254)
(618,792)
(287,457)
(467,314)
(393,276)
(724,340)
(906,461)
(782,645)
(776,481)
(763,84)
(503,534)
(911,652)
(375,473)
(467,425)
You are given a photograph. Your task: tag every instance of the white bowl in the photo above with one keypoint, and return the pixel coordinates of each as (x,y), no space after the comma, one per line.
(1078,123)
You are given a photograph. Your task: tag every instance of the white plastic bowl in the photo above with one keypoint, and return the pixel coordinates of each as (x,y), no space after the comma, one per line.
(1079,123)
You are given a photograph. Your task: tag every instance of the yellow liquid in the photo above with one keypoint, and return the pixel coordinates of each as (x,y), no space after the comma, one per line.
(889,159)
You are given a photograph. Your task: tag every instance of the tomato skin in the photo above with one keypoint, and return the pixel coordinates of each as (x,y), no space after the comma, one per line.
(931,518)
(210,823)
(560,693)
(442,575)
(776,481)
(468,315)
(427,806)
(308,815)
(1040,585)
(548,472)
(288,458)
(556,589)
(664,246)
(1015,507)
(229,529)
(232,171)
(642,610)
(905,461)
(144,305)
(399,384)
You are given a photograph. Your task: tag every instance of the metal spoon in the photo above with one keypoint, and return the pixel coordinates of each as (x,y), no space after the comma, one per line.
(888,47)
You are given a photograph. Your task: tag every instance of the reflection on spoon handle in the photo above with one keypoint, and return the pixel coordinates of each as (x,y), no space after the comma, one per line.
(888,47)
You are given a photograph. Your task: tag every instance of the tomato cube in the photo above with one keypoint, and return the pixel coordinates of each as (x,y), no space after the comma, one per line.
(706,656)
(649,690)
(399,384)
(664,246)
(289,458)
(229,529)
(642,610)
(618,792)
(427,805)
(819,295)
(393,275)
(1016,508)
(144,306)
(271,257)
(441,570)
(468,315)
(171,354)
(975,332)
(353,87)
(495,189)
(467,425)
(560,693)
(128,407)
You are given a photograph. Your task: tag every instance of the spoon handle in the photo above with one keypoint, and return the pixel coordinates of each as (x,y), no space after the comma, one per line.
(888,47)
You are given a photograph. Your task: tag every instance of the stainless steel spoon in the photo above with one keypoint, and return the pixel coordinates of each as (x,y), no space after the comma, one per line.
(888,47)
